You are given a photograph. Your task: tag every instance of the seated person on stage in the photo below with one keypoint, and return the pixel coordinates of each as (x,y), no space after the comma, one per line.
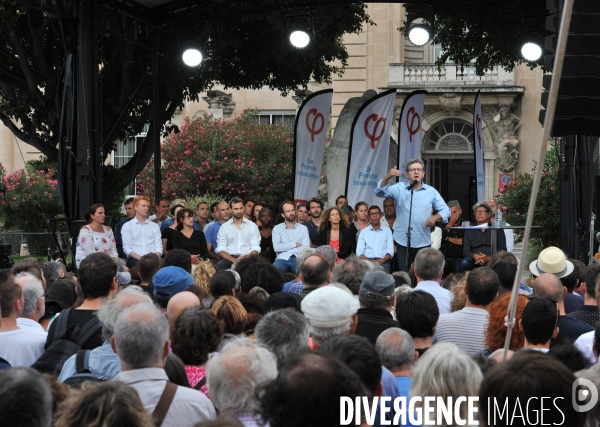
(335,231)
(477,244)
(289,238)
(452,239)
(375,243)
(141,236)
(237,238)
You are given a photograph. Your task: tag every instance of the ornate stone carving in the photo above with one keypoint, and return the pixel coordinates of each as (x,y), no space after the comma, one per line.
(451,102)
(506,143)
(219,103)
(300,95)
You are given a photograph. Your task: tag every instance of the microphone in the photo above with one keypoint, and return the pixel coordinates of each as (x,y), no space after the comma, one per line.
(411,186)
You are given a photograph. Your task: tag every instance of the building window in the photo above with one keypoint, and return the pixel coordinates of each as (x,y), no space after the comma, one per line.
(279,118)
(450,135)
(125,151)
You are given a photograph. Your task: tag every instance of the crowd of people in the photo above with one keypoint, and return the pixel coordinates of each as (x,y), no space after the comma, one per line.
(236,321)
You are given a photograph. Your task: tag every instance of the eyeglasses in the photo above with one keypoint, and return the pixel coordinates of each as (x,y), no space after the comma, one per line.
(481,212)
(44,295)
(415,170)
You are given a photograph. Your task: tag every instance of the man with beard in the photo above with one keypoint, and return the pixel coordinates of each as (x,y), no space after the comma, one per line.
(315,207)
(289,238)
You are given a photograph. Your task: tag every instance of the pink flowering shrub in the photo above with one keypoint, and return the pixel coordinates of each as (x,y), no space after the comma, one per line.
(31,198)
(227,158)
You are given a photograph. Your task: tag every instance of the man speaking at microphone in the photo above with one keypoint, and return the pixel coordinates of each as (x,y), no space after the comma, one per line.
(425,197)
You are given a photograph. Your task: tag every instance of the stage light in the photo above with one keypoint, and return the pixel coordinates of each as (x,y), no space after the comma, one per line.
(299,39)
(420,34)
(192,57)
(300,27)
(531,51)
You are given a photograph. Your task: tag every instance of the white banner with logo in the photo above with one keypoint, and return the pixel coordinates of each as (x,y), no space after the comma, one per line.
(410,130)
(369,148)
(478,144)
(310,133)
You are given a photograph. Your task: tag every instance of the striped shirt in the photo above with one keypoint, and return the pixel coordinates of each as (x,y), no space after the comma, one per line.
(465,328)
(442,296)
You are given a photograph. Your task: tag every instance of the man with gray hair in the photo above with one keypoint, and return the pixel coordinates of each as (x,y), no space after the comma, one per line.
(25,398)
(429,268)
(53,270)
(328,253)
(452,239)
(34,304)
(141,340)
(103,360)
(235,375)
(351,272)
(414,199)
(377,300)
(397,353)
(284,332)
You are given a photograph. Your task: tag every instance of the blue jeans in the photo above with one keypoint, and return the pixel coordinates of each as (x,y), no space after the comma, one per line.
(452,265)
(131,262)
(286,266)
(224,264)
(401,256)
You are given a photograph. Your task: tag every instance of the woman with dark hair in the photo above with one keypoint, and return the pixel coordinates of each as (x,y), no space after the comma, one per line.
(95,236)
(256,208)
(265,216)
(335,231)
(188,238)
(195,335)
(166,234)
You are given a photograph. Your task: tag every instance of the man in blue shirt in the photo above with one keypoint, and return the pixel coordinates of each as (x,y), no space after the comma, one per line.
(222,217)
(375,243)
(425,197)
(289,238)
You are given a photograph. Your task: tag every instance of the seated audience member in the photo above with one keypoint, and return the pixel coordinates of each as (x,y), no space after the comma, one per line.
(519,379)
(459,299)
(141,340)
(141,236)
(284,332)
(360,219)
(496,329)
(418,314)
(503,256)
(477,243)
(33,305)
(225,282)
(111,403)
(53,270)
(506,272)
(188,238)
(574,301)
(263,275)
(202,274)
(377,300)
(237,238)
(178,258)
(103,360)
(282,300)
(429,268)
(301,213)
(179,303)
(350,272)
(539,323)
(175,370)
(570,356)
(211,230)
(130,213)
(236,375)
(336,232)
(548,285)
(452,239)
(315,208)
(401,278)
(302,255)
(329,253)
(289,238)
(314,273)
(588,312)
(18,347)
(25,398)
(466,328)
(195,334)
(375,243)
(307,392)
(148,266)
(61,295)
(169,281)
(265,228)
(330,311)
(230,311)
(30,265)
(397,353)
(445,371)
(347,209)
(166,233)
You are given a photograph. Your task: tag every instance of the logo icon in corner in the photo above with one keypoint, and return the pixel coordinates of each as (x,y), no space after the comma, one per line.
(584,394)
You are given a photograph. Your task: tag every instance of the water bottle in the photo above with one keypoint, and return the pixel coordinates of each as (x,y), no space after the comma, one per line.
(498,222)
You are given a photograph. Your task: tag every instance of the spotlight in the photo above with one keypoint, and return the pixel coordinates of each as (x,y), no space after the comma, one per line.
(531,51)
(192,57)
(419,34)
(300,28)
(420,24)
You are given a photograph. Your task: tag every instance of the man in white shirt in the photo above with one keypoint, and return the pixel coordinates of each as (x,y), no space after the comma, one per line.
(141,340)
(375,243)
(140,235)
(34,304)
(429,268)
(239,237)
(17,346)
(162,212)
(289,238)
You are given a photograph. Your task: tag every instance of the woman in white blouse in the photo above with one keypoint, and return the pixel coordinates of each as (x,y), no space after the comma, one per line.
(95,236)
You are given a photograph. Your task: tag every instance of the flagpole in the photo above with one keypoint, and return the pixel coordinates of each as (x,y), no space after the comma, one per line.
(548,121)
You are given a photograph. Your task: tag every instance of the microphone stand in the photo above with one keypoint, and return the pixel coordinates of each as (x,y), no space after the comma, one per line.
(412,192)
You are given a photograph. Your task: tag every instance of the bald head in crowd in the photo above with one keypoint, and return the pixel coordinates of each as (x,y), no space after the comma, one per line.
(315,271)
(178,303)
(548,285)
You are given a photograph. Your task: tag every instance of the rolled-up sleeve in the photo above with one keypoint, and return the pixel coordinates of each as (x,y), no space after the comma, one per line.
(441,207)
(382,192)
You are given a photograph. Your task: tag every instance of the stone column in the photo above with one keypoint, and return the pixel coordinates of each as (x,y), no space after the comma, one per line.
(220,104)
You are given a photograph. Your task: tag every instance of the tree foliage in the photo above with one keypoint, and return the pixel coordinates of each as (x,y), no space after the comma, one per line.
(227,158)
(244,45)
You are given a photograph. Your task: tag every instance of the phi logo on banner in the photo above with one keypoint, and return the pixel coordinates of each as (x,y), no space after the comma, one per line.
(312,127)
(478,129)
(412,117)
(375,135)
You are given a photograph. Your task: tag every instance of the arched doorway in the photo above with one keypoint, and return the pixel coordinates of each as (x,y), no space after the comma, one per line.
(449,158)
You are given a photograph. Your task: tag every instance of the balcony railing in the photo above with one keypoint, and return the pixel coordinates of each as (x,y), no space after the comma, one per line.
(407,74)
